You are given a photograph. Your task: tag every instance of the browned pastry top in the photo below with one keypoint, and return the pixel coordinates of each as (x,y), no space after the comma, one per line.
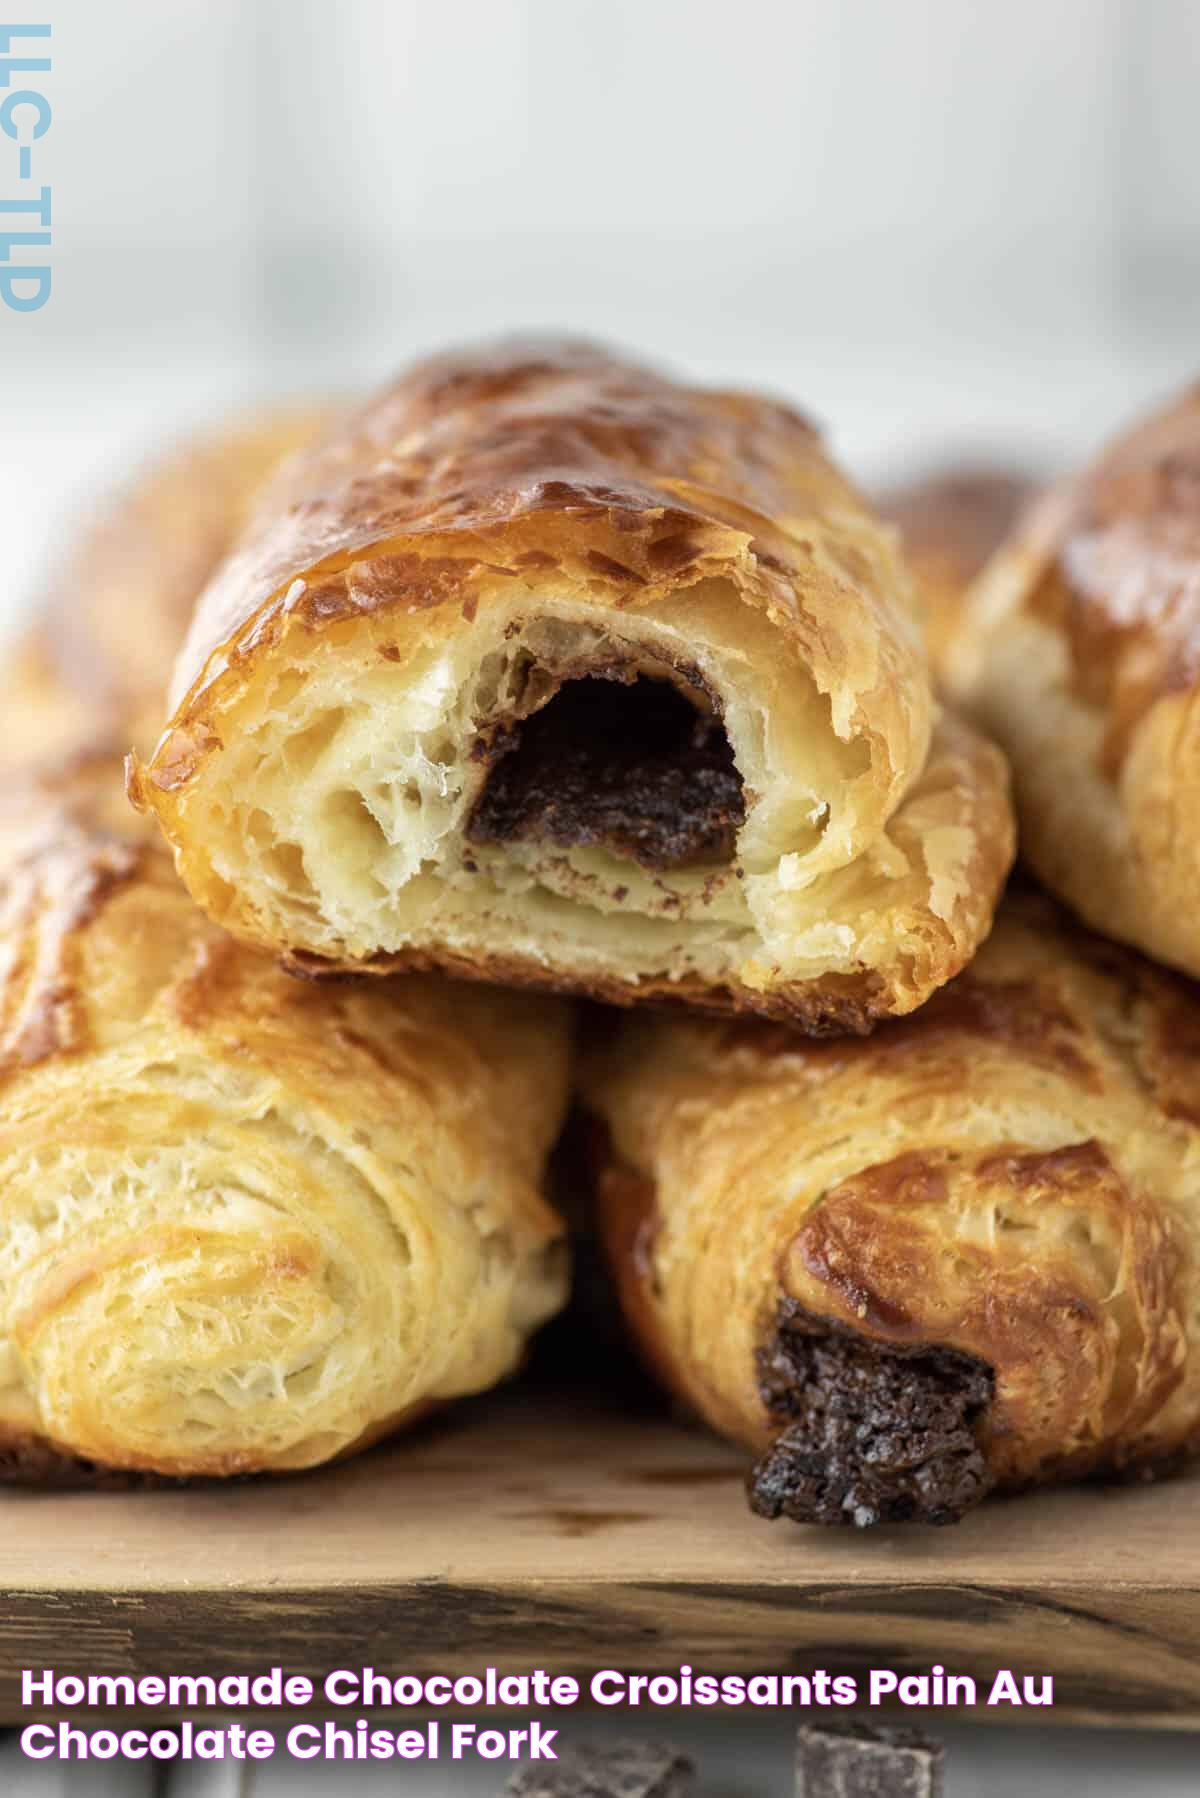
(495,549)
(471,443)
(1120,571)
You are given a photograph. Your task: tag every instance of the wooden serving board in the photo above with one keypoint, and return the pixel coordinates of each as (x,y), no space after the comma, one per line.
(541,1531)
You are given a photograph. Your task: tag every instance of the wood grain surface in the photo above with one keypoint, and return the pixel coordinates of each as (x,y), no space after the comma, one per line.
(546,1531)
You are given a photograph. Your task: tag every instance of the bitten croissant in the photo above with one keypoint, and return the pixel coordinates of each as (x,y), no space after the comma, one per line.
(548,669)
(961,1255)
(1080,653)
(246,1223)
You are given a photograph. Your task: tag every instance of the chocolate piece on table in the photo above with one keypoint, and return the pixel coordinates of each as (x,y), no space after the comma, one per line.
(618,1770)
(858,1760)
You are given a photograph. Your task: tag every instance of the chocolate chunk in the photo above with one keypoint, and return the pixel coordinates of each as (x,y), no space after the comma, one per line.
(856,1760)
(629,765)
(870,1433)
(619,1770)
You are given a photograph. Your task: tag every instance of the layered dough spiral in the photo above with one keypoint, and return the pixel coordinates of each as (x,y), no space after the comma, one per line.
(246,1223)
(960,1255)
(1080,653)
(547,669)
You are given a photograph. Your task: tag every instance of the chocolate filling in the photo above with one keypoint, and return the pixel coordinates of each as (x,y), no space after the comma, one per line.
(851,1759)
(613,1770)
(871,1433)
(626,764)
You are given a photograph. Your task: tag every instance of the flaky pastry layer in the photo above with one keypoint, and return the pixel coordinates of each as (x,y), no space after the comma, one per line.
(246,1223)
(960,1255)
(548,669)
(1080,654)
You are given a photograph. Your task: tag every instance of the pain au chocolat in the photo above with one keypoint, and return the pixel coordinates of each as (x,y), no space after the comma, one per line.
(246,1223)
(1080,652)
(545,668)
(959,1255)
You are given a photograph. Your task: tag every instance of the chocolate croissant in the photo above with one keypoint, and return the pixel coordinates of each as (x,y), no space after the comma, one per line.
(961,1255)
(547,669)
(248,1223)
(117,609)
(1080,652)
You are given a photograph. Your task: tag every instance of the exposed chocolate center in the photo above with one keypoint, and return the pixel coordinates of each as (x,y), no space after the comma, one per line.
(853,1759)
(871,1434)
(629,765)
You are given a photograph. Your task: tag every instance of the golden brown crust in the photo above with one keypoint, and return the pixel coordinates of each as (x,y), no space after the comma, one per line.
(550,455)
(248,1224)
(501,524)
(553,451)
(950,521)
(1012,1174)
(1123,583)
(1080,653)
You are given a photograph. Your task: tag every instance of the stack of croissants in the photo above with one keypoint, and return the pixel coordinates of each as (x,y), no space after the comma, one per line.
(380,783)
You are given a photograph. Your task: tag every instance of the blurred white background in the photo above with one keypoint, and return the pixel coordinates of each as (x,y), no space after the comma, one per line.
(936,223)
